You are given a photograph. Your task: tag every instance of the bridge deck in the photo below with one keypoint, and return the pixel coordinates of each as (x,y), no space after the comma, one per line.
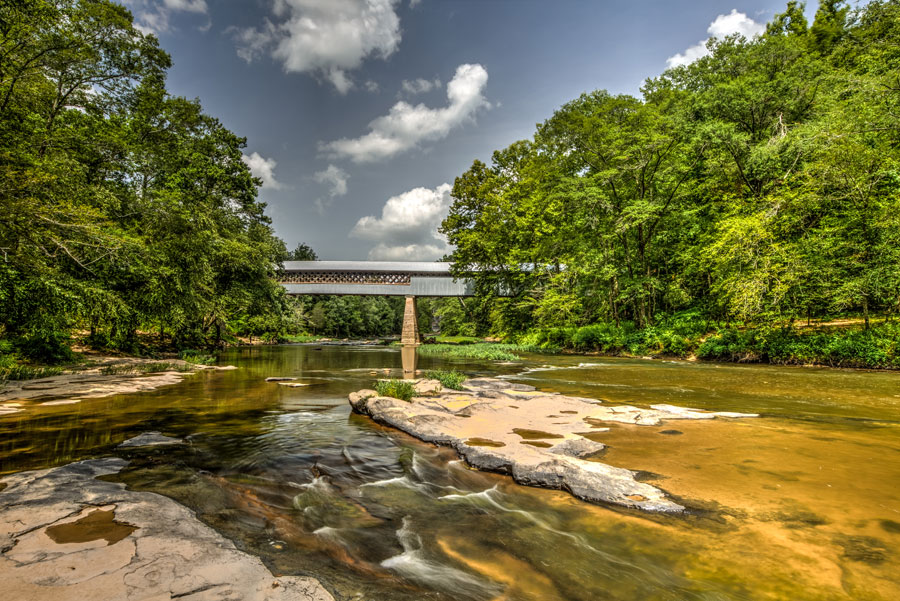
(382,278)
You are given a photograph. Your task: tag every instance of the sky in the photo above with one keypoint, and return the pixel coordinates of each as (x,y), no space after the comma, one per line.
(359,114)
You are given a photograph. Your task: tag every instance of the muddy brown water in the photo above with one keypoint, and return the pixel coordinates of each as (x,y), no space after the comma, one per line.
(801,503)
(99,524)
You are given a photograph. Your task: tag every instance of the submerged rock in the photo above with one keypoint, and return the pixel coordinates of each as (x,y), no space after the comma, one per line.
(66,535)
(538,438)
(150,439)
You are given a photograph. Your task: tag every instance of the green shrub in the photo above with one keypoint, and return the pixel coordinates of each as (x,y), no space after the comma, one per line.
(298,338)
(875,348)
(483,351)
(602,337)
(399,389)
(196,357)
(448,379)
(46,347)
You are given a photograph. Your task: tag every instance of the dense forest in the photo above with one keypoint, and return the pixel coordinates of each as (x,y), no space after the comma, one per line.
(122,208)
(740,198)
(758,186)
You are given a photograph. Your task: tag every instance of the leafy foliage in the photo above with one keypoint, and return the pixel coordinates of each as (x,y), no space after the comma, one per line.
(123,208)
(399,389)
(196,357)
(448,379)
(759,184)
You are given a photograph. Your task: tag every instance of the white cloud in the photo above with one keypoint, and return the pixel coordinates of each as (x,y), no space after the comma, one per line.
(264,169)
(405,126)
(723,26)
(336,180)
(371,86)
(411,252)
(334,177)
(419,86)
(191,6)
(408,226)
(152,16)
(325,37)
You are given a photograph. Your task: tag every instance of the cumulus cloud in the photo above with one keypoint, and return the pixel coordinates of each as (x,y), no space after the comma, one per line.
(325,37)
(336,180)
(723,26)
(408,226)
(406,125)
(191,6)
(152,16)
(371,86)
(264,169)
(419,86)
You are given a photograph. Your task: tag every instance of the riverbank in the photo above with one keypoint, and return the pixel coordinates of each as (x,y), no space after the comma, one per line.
(65,534)
(846,344)
(103,376)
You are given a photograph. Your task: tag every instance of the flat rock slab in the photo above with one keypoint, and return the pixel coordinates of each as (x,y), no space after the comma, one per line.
(88,385)
(536,437)
(150,439)
(65,535)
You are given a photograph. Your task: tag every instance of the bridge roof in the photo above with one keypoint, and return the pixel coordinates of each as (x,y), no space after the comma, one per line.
(379,266)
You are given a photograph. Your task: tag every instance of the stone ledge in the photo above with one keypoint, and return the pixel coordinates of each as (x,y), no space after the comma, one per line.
(169,553)
(540,439)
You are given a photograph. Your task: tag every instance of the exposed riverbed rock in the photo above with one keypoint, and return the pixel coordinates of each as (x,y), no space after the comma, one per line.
(539,438)
(92,382)
(65,535)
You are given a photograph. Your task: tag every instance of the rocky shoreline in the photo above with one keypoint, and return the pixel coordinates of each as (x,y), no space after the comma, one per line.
(64,534)
(94,383)
(539,438)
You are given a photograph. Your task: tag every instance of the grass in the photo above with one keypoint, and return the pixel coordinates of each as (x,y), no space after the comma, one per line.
(482,350)
(446,339)
(196,357)
(27,372)
(296,338)
(448,379)
(489,351)
(142,368)
(399,389)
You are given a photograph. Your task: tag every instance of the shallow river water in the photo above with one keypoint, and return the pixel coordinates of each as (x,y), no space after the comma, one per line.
(801,503)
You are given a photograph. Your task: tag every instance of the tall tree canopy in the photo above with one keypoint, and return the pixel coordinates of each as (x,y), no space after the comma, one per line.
(123,207)
(759,183)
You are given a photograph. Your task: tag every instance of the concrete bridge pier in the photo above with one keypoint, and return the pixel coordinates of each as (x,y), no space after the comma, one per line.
(409,338)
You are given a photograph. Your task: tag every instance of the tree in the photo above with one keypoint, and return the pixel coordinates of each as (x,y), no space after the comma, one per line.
(303,252)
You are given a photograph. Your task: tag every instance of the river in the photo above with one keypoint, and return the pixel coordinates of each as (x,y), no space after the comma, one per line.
(800,503)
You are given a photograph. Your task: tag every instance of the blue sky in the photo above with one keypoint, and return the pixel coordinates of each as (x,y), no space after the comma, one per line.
(359,114)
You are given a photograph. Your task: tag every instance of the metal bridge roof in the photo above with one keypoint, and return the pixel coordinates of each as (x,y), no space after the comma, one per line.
(379,266)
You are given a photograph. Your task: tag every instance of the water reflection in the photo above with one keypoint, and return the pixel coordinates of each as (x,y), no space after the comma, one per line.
(800,504)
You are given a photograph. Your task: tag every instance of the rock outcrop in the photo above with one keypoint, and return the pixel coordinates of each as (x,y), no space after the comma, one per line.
(66,535)
(539,438)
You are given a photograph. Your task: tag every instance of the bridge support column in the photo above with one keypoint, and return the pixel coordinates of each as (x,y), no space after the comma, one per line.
(409,338)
